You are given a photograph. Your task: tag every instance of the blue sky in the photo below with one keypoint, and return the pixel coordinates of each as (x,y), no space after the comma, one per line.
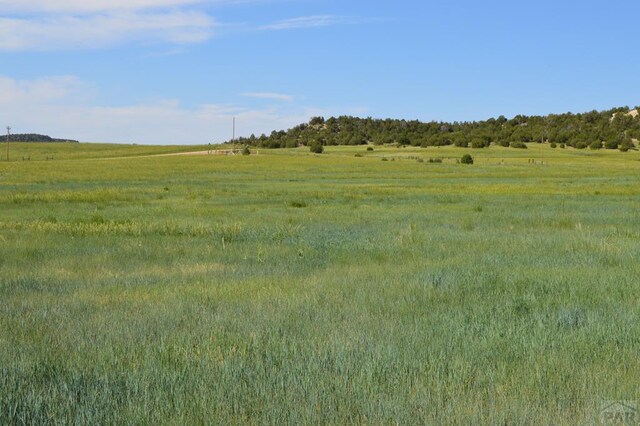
(177,71)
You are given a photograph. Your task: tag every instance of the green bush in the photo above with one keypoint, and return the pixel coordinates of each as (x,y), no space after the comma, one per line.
(553,145)
(246,150)
(595,145)
(518,144)
(316,148)
(369,148)
(466,159)
(478,143)
(611,144)
(581,145)
(626,145)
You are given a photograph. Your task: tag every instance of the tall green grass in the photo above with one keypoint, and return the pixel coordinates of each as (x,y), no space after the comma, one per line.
(292,288)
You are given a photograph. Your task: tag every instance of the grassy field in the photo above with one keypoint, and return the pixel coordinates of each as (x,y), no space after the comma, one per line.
(291,288)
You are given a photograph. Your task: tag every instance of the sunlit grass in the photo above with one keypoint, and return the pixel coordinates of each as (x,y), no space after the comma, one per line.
(288,287)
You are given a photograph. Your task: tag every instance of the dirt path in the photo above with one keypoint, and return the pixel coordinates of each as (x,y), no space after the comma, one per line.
(171,154)
(181,153)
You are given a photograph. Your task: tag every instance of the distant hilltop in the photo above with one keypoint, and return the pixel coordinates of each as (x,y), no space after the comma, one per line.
(32,137)
(617,128)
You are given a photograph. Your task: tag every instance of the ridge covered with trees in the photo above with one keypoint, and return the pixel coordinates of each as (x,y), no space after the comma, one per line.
(33,137)
(618,128)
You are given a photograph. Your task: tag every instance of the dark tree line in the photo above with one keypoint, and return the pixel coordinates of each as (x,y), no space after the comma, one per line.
(612,129)
(32,137)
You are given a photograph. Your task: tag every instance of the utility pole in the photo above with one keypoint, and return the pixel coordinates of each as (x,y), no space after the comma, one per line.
(8,135)
(233,137)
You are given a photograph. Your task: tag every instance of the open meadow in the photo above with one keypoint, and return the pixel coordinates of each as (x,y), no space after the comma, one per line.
(293,288)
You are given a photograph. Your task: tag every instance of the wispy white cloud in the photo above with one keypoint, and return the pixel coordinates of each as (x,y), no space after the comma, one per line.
(65,107)
(90,6)
(104,6)
(45,25)
(314,21)
(102,30)
(86,24)
(268,95)
(43,90)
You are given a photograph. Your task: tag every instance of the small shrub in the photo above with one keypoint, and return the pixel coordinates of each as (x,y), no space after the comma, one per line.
(518,144)
(595,145)
(477,143)
(611,144)
(435,160)
(358,154)
(466,159)
(404,141)
(562,146)
(627,144)
(369,148)
(581,145)
(553,145)
(298,204)
(385,159)
(246,150)
(316,148)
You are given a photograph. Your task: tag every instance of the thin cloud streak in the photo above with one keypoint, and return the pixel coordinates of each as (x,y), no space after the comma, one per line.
(268,95)
(315,21)
(105,6)
(90,6)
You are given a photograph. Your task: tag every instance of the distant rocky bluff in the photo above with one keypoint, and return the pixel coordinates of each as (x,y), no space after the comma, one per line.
(32,137)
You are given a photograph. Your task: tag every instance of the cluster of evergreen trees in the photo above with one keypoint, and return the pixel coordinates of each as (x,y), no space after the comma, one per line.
(32,137)
(612,129)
